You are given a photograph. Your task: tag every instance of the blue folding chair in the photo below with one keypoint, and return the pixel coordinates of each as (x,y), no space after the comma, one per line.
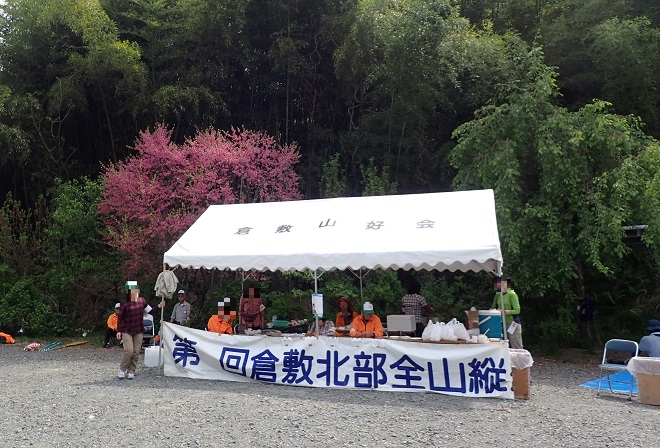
(607,367)
(149,332)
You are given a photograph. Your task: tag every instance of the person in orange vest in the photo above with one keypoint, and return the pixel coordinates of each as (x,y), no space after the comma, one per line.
(111,331)
(6,339)
(367,325)
(221,323)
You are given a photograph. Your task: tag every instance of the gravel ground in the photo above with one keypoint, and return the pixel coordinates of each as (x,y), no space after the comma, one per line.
(71,398)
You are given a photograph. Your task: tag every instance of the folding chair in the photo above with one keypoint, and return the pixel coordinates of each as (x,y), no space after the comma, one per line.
(149,332)
(608,367)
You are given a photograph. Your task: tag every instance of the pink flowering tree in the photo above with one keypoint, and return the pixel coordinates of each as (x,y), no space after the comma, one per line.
(152,198)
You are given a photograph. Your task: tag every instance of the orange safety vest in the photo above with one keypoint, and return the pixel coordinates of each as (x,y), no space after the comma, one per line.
(374,325)
(219,326)
(112,321)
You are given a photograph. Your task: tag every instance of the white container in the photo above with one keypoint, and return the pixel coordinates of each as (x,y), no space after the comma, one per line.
(151,356)
(401,322)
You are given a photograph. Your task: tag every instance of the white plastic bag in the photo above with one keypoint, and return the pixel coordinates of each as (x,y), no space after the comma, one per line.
(448,333)
(483,339)
(436,334)
(459,330)
(426,334)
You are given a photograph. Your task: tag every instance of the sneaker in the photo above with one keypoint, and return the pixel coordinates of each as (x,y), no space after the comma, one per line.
(106,345)
(130,375)
(121,374)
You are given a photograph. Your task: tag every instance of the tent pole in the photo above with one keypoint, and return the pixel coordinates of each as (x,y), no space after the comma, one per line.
(361,297)
(360,276)
(161,363)
(316,316)
(505,335)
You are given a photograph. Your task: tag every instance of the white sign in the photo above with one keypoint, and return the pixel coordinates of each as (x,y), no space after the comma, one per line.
(317,304)
(476,370)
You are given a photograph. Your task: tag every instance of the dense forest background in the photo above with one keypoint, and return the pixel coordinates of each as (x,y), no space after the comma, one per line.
(554,104)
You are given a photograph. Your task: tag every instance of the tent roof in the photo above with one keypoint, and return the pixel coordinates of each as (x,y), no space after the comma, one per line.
(443,231)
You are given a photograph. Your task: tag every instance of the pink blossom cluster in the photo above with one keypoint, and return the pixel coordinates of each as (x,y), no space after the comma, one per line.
(151,198)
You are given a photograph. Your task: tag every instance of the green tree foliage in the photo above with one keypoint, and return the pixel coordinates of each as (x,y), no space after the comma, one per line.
(83,272)
(13,140)
(22,236)
(597,47)
(375,183)
(412,71)
(561,192)
(24,307)
(542,161)
(84,86)
(333,180)
(287,85)
(618,44)
(174,36)
(520,16)
(57,258)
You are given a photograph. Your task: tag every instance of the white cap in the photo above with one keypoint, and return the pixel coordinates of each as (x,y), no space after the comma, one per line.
(368,308)
(117,305)
(148,308)
(181,291)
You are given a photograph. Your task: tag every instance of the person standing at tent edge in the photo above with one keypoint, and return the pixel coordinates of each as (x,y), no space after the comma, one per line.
(511,310)
(181,310)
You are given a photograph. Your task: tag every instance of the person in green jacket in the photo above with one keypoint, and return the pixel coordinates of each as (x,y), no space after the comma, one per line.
(511,310)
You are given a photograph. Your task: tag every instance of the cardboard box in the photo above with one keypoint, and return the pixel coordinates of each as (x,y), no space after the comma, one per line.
(435,320)
(472,320)
(521,383)
(648,388)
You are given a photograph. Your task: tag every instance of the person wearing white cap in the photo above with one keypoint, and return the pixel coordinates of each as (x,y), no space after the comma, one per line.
(111,331)
(148,325)
(367,325)
(181,311)
(221,323)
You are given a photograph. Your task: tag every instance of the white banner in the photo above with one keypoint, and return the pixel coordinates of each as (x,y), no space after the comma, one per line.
(475,370)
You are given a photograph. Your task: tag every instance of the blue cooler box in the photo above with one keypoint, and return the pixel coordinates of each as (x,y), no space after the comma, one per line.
(490,323)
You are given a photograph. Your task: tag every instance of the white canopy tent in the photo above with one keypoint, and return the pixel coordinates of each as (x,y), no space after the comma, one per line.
(454,231)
